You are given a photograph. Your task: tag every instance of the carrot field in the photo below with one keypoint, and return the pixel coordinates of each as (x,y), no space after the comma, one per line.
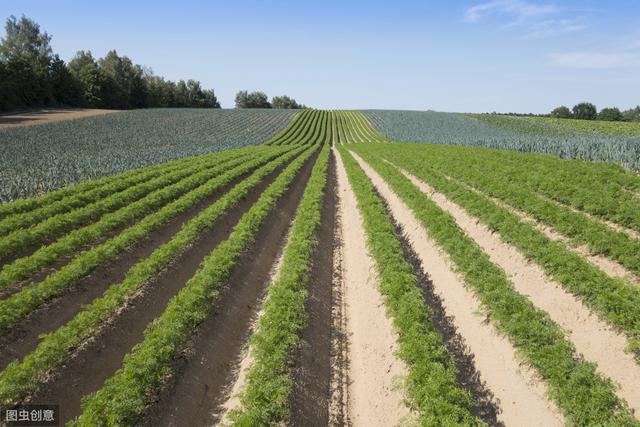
(310,268)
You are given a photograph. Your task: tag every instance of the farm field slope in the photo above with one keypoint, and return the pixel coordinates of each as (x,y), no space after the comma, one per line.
(326,275)
(552,126)
(513,133)
(36,159)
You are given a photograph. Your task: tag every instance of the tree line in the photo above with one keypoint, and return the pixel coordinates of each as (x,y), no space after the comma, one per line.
(258,99)
(31,75)
(588,111)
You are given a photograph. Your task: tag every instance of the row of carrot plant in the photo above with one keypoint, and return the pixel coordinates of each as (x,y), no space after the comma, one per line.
(20,304)
(125,395)
(85,187)
(585,397)
(52,226)
(431,385)
(600,238)
(19,378)
(268,386)
(605,191)
(613,299)
(169,201)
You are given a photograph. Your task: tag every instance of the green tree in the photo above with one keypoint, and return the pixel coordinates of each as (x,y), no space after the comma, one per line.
(6,94)
(31,75)
(182,94)
(67,90)
(561,112)
(632,114)
(161,93)
(610,114)
(86,71)
(201,98)
(585,111)
(26,55)
(139,95)
(285,102)
(121,75)
(256,99)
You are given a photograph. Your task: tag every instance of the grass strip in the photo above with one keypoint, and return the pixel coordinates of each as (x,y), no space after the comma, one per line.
(265,396)
(23,267)
(20,378)
(18,305)
(585,397)
(124,396)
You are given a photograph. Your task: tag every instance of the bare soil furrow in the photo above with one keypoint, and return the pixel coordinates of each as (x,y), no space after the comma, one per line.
(374,391)
(486,407)
(24,337)
(607,265)
(521,395)
(338,404)
(311,394)
(594,339)
(207,369)
(100,357)
(240,374)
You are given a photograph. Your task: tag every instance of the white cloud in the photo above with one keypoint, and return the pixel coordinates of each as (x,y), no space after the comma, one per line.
(518,9)
(535,20)
(552,27)
(595,60)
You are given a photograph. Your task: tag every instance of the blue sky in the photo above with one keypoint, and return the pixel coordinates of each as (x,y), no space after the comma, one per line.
(484,55)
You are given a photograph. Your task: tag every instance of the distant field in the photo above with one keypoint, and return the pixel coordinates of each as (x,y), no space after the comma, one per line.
(560,127)
(49,115)
(329,276)
(36,159)
(504,132)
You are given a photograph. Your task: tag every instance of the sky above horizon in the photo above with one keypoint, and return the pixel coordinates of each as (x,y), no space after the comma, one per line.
(469,56)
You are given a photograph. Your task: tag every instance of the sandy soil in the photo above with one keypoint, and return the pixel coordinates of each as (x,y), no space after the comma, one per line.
(312,361)
(49,115)
(338,404)
(521,395)
(233,402)
(595,339)
(608,266)
(375,374)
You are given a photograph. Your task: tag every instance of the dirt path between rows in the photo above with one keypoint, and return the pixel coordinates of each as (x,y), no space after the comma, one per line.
(608,266)
(595,339)
(485,408)
(233,398)
(28,118)
(311,394)
(521,395)
(24,337)
(339,355)
(374,392)
(101,356)
(205,372)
